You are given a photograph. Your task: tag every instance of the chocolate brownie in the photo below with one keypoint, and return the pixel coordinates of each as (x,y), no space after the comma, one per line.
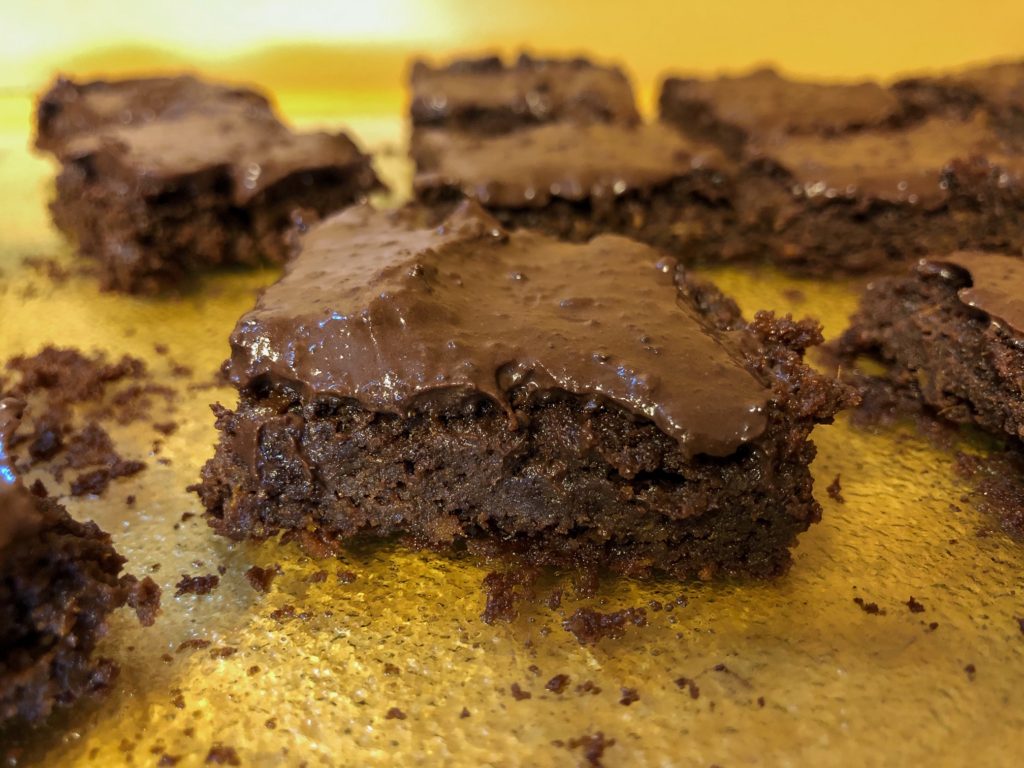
(951,331)
(858,177)
(69,109)
(577,181)
(59,581)
(570,404)
(486,96)
(214,179)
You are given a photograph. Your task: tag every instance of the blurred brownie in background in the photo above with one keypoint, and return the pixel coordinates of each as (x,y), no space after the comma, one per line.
(59,581)
(485,96)
(162,178)
(852,177)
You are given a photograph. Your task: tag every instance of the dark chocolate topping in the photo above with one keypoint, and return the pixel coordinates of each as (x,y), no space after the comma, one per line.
(69,109)
(393,317)
(763,102)
(19,514)
(996,284)
(257,154)
(543,89)
(893,166)
(530,167)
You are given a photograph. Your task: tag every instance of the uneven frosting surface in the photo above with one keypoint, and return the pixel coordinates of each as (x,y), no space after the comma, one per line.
(543,89)
(18,512)
(392,316)
(997,284)
(258,154)
(762,102)
(897,166)
(532,166)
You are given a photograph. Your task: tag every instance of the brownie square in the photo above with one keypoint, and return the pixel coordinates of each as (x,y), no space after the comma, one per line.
(209,178)
(951,332)
(573,405)
(857,177)
(577,181)
(59,581)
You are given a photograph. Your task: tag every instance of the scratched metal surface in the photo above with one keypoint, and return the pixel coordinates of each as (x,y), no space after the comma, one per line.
(812,679)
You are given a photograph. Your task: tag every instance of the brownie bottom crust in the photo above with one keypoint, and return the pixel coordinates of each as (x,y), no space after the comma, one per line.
(57,588)
(146,244)
(576,482)
(953,357)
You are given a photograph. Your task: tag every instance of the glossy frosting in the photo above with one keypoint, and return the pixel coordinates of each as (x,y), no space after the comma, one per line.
(903,166)
(393,316)
(996,284)
(541,89)
(530,167)
(256,154)
(18,512)
(763,102)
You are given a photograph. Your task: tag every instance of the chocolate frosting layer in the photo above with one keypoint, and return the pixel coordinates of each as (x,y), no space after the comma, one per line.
(904,166)
(394,317)
(256,154)
(19,514)
(763,102)
(70,109)
(541,89)
(996,284)
(530,167)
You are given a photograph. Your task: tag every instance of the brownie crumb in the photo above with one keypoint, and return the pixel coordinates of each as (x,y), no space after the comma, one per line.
(224,652)
(933,626)
(557,683)
(870,608)
(166,658)
(629,695)
(593,747)
(655,605)
(504,591)
(270,724)
(192,644)
(1020,623)
(589,626)
(260,579)
(317,578)
(391,670)
(588,686)
(177,698)
(395,714)
(144,599)
(196,585)
(760,701)
(166,427)
(971,671)
(253,670)
(220,754)
(835,491)
(914,605)
(998,480)
(130,499)
(519,694)
(96,481)
(283,613)
(347,577)
(167,760)
(690,684)
(464,714)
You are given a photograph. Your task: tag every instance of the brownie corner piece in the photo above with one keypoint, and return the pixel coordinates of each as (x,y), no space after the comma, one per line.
(209,178)
(950,333)
(60,579)
(449,386)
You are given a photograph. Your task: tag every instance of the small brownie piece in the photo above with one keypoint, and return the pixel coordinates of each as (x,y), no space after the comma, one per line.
(69,109)
(59,581)
(952,331)
(213,179)
(570,404)
(577,181)
(484,96)
(730,111)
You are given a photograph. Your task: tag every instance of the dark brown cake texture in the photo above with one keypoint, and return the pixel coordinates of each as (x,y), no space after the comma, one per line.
(952,332)
(161,178)
(570,405)
(852,177)
(59,581)
(486,96)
